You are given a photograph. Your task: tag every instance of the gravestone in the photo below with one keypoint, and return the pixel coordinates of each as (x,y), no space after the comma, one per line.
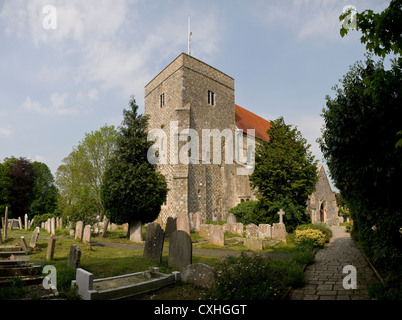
(26,222)
(198,274)
(24,245)
(279,231)
(227,228)
(281,213)
(50,248)
(237,228)
(79,229)
(5,224)
(48,228)
(264,231)
(180,250)
(205,230)
(197,221)
(53,226)
(217,236)
(191,222)
(135,230)
(170,226)
(86,238)
(20,223)
(154,242)
(253,244)
(183,223)
(231,218)
(34,238)
(74,257)
(252,231)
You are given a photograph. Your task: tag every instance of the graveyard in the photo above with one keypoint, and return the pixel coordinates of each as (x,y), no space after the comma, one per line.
(185,260)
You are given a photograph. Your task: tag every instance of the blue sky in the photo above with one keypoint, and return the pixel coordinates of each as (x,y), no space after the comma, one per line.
(57,85)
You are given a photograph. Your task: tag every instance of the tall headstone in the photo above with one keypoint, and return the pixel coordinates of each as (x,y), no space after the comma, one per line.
(50,248)
(48,228)
(26,222)
(183,223)
(154,242)
(170,226)
(281,213)
(217,236)
(74,257)
(5,225)
(53,226)
(34,238)
(79,229)
(24,245)
(86,238)
(20,223)
(197,221)
(279,231)
(135,230)
(180,250)
(231,218)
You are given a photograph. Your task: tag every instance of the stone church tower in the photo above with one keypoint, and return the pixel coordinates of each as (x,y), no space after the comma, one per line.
(189,94)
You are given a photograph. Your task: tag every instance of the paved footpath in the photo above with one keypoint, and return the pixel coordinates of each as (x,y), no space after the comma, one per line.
(325,276)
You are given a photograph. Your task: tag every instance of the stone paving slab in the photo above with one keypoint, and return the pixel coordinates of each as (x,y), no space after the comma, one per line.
(324,277)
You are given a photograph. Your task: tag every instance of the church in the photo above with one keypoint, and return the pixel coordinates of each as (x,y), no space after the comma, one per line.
(192,103)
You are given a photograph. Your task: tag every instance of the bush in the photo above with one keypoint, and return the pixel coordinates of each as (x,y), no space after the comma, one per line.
(316,236)
(255,277)
(243,211)
(324,228)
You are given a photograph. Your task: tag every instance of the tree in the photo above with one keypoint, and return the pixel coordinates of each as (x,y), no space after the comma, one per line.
(80,177)
(44,192)
(381,31)
(132,189)
(358,143)
(285,175)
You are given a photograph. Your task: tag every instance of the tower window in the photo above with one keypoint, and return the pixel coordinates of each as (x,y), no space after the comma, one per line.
(211,98)
(162,100)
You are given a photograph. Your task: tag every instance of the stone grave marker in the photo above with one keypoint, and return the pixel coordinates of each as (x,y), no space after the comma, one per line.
(20,223)
(281,213)
(34,238)
(198,274)
(5,224)
(217,236)
(26,222)
(74,257)
(53,226)
(135,230)
(205,230)
(197,221)
(227,228)
(24,245)
(154,242)
(264,231)
(279,231)
(180,250)
(86,238)
(231,218)
(50,248)
(79,229)
(183,223)
(170,226)
(251,231)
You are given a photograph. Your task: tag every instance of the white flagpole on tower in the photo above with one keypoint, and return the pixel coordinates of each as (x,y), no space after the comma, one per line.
(189,34)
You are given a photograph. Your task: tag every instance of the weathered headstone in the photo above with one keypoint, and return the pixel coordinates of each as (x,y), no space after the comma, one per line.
(264,231)
(34,238)
(183,223)
(125,227)
(281,213)
(253,244)
(227,228)
(198,274)
(170,226)
(231,218)
(86,238)
(50,248)
(279,231)
(49,227)
(217,236)
(24,245)
(53,226)
(197,221)
(74,257)
(5,224)
(154,242)
(79,229)
(191,222)
(205,230)
(135,230)
(20,223)
(26,222)
(180,250)
(251,231)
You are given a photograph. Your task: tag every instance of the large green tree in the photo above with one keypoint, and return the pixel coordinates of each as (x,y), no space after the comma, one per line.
(358,143)
(80,176)
(132,189)
(285,175)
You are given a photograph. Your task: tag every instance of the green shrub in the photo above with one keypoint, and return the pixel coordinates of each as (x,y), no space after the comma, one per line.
(324,228)
(255,277)
(243,211)
(316,236)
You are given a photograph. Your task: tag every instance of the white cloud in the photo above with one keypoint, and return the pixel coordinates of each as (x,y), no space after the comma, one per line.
(57,106)
(5,132)
(93,94)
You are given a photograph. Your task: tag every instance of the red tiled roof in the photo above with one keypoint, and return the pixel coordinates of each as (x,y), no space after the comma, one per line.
(247,120)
